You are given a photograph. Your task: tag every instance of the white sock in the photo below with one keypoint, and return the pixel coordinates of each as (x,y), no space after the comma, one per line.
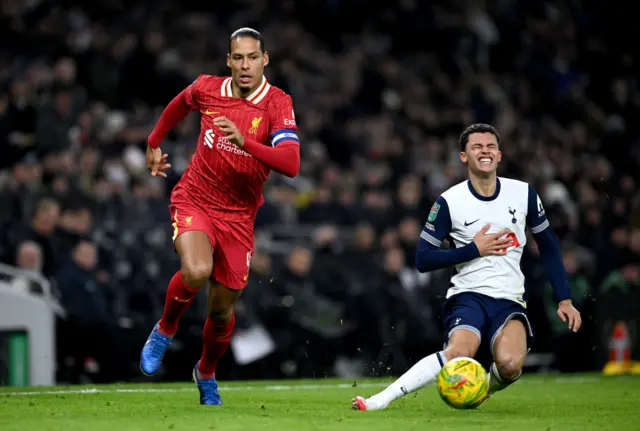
(418,376)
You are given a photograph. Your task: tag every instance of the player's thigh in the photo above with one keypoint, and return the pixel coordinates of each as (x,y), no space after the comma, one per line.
(232,256)
(221,300)
(511,342)
(464,320)
(194,241)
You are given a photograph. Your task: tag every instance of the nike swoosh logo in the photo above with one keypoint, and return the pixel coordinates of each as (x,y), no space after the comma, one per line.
(209,112)
(469,224)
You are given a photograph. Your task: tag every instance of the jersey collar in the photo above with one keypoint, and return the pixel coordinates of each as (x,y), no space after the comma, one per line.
(485,198)
(255,97)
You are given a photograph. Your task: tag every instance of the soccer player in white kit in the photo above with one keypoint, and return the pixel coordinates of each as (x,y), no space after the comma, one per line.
(484,315)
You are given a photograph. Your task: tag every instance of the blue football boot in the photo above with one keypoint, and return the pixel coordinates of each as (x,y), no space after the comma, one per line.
(153,352)
(208,388)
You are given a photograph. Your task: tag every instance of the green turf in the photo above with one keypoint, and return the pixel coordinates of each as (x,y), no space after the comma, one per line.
(586,402)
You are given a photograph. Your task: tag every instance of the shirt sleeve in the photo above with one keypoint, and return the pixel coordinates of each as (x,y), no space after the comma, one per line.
(438,223)
(283,127)
(193,93)
(429,256)
(536,217)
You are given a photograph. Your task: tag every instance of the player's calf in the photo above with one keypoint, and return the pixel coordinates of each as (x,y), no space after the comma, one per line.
(196,267)
(216,338)
(218,328)
(179,297)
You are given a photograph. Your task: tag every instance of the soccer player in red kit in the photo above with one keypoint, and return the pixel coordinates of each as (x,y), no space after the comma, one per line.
(248,128)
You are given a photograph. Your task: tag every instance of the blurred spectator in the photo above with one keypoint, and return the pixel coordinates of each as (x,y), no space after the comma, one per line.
(82,295)
(89,335)
(29,260)
(41,230)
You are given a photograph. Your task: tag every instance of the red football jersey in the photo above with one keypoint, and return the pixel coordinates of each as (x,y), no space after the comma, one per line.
(222,178)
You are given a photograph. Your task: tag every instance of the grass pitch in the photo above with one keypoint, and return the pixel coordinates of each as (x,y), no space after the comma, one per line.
(576,402)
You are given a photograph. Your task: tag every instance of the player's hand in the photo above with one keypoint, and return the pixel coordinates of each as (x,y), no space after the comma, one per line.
(492,245)
(567,312)
(157,162)
(230,130)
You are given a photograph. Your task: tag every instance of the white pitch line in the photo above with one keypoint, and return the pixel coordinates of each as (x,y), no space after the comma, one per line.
(173,390)
(565,379)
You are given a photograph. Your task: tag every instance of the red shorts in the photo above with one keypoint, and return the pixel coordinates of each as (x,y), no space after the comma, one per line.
(231,242)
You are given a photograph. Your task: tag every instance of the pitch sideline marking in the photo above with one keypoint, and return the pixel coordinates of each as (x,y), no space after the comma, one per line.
(252,388)
(174,390)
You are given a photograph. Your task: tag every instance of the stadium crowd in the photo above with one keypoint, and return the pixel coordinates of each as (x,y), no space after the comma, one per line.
(380,98)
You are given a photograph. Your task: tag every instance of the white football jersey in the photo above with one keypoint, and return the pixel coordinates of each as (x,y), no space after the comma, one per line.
(461,212)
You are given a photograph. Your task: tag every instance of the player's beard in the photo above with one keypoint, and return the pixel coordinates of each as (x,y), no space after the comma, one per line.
(245,89)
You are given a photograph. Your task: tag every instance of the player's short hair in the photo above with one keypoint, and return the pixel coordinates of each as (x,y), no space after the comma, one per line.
(247,32)
(476,128)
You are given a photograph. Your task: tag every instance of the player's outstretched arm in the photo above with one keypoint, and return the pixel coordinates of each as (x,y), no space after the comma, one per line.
(551,258)
(173,113)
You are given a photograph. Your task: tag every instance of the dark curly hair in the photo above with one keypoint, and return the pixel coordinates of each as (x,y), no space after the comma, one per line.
(476,128)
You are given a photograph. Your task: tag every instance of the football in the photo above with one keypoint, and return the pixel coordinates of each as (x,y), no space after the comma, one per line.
(463,383)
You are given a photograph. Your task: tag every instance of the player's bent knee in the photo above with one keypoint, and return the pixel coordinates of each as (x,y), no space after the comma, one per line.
(221,302)
(464,351)
(221,315)
(196,259)
(510,366)
(196,274)
(462,343)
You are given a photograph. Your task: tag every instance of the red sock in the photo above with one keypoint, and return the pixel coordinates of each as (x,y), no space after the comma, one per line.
(215,341)
(179,297)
